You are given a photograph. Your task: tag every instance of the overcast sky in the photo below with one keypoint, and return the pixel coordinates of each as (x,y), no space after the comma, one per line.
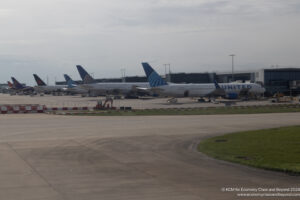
(49,37)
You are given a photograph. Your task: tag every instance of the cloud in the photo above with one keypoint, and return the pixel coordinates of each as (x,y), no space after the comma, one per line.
(105,36)
(187,14)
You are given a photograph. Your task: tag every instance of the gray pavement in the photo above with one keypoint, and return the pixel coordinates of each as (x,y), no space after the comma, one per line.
(146,103)
(151,157)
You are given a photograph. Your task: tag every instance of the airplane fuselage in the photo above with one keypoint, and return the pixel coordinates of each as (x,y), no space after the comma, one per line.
(202,90)
(49,88)
(115,88)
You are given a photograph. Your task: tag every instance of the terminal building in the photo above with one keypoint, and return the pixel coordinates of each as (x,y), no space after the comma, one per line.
(281,80)
(275,80)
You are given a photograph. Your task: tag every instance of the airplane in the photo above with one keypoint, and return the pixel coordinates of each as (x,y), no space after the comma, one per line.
(73,88)
(86,77)
(11,88)
(42,87)
(237,90)
(127,89)
(10,85)
(161,87)
(20,88)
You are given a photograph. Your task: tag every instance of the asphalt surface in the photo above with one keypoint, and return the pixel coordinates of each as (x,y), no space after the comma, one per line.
(146,103)
(151,157)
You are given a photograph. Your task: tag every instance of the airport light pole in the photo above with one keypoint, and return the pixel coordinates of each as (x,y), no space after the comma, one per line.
(232,58)
(168,78)
(123,71)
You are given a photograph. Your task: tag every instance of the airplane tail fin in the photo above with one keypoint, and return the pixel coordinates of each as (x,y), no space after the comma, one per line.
(16,83)
(10,85)
(39,81)
(153,78)
(69,81)
(219,91)
(86,78)
(217,85)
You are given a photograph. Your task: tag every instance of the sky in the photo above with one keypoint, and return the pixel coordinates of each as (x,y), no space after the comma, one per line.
(50,37)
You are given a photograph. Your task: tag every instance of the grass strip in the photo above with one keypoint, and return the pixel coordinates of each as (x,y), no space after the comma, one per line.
(273,149)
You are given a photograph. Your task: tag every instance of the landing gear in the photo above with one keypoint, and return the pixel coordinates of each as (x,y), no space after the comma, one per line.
(201,100)
(172,100)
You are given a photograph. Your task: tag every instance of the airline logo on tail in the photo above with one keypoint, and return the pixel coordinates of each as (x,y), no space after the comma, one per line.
(154,79)
(86,78)
(38,80)
(16,83)
(10,85)
(217,85)
(69,81)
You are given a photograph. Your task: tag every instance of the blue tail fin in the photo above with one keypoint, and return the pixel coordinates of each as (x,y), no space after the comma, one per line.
(16,83)
(86,78)
(69,81)
(217,85)
(39,81)
(154,79)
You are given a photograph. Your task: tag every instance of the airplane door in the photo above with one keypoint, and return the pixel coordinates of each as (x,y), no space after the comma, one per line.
(186,93)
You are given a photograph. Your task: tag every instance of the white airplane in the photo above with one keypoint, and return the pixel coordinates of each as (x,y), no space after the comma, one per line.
(73,88)
(126,89)
(230,90)
(42,87)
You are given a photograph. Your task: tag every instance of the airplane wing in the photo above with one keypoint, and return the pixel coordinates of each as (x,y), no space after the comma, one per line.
(86,86)
(142,90)
(244,92)
(218,91)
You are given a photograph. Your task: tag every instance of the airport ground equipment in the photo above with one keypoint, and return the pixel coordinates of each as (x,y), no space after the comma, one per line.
(105,105)
(172,100)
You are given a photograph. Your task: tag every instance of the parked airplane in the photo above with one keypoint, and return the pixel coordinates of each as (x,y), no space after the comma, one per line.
(42,87)
(20,88)
(11,88)
(10,85)
(86,78)
(197,90)
(128,89)
(73,88)
(236,90)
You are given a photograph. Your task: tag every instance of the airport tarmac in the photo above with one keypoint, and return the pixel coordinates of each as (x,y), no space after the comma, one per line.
(146,103)
(150,157)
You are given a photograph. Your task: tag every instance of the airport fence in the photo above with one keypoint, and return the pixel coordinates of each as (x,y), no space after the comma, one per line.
(35,108)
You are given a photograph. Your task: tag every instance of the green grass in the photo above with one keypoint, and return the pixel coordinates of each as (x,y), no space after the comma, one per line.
(273,149)
(194,111)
